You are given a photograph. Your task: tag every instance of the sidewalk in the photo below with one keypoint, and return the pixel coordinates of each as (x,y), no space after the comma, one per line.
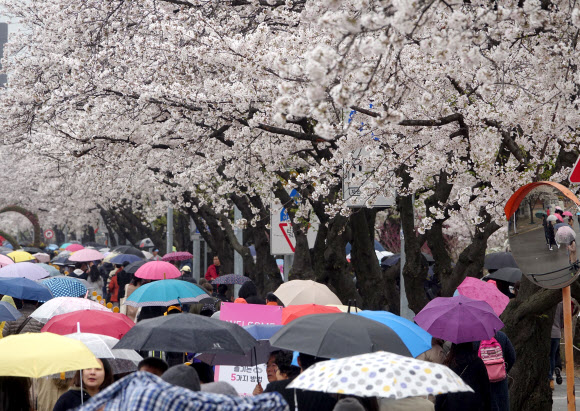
(559,395)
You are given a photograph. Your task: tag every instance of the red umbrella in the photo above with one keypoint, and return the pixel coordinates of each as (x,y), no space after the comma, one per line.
(74,247)
(90,321)
(293,312)
(177,256)
(157,270)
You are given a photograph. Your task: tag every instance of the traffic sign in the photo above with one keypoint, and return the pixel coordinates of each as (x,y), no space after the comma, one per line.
(48,234)
(575,174)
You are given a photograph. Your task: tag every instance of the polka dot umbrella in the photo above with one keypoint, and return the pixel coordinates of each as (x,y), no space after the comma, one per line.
(380,374)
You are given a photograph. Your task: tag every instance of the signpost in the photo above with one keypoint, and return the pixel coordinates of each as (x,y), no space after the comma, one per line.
(48,234)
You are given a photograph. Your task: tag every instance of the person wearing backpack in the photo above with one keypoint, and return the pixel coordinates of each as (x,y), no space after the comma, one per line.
(498,355)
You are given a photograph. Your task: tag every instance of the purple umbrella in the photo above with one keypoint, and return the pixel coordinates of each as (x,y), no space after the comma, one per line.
(459,319)
(230,279)
(26,270)
(177,256)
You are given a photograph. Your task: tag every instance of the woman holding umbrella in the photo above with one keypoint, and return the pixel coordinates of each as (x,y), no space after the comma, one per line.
(551,235)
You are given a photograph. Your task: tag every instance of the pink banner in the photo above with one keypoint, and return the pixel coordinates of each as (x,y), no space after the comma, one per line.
(244,379)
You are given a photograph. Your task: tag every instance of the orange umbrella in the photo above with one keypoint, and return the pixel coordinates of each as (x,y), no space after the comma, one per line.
(293,312)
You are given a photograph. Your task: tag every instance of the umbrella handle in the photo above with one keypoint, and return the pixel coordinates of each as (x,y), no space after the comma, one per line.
(257,373)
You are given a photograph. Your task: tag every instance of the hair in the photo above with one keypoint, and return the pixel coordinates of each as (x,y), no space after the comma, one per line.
(78,265)
(207,287)
(271,297)
(248,289)
(460,354)
(126,263)
(94,274)
(202,281)
(222,288)
(15,394)
(283,361)
(136,281)
(204,371)
(154,362)
(307,360)
(109,378)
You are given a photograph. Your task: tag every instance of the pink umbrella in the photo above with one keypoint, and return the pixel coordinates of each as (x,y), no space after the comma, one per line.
(42,257)
(567,213)
(85,255)
(558,208)
(559,217)
(5,260)
(177,256)
(482,291)
(74,247)
(157,270)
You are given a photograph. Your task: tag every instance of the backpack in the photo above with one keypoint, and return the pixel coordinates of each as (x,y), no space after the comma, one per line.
(492,355)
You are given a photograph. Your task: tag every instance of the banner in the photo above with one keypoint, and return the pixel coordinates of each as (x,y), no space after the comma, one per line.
(244,379)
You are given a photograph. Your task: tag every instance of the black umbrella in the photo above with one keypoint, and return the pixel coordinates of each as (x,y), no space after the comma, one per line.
(509,274)
(128,249)
(495,261)
(96,246)
(62,259)
(338,335)
(32,250)
(187,333)
(133,267)
(394,259)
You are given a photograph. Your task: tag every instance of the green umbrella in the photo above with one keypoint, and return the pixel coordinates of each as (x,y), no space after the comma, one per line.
(541,214)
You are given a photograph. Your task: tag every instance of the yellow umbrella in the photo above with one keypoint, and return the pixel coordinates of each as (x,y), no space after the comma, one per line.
(20,256)
(344,308)
(36,355)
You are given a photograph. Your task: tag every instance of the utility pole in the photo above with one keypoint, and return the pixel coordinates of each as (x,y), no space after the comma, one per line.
(169,230)
(405,311)
(196,238)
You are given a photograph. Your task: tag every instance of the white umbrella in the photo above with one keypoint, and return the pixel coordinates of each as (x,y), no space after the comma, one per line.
(121,360)
(42,257)
(297,292)
(63,305)
(380,374)
(565,235)
(552,217)
(148,255)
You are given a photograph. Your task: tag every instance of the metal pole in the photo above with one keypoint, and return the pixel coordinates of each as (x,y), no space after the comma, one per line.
(196,251)
(568,340)
(238,260)
(169,247)
(405,311)
(288,261)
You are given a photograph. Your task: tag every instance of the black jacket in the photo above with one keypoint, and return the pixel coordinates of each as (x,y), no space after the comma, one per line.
(70,399)
(307,400)
(473,374)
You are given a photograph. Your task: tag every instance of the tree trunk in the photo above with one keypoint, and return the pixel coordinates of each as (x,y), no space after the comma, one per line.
(392,290)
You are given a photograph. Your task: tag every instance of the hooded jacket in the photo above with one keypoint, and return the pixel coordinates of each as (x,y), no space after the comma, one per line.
(71,399)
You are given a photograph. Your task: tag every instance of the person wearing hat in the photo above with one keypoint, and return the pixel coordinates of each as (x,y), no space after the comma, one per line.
(186,271)
(183,376)
(156,256)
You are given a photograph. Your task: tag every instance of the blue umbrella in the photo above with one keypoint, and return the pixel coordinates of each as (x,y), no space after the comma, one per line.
(51,247)
(121,258)
(49,269)
(262,331)
(24,289)
(230,279)
(165,292)
(8,313)
(378,247)
(560,225)
(65,287)
(414,337)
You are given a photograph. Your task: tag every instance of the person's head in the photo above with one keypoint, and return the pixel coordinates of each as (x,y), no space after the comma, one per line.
(204,371)
(271,298)
(14,394)
(95,379)
(461,354)
(248,289)
(222,289)
(216,261)
(155,252)
(153,365)
(126,263)
(94,274)
(202,281)
(271,367)
(182,376)
(220,387)
(136,281)
(185,270)
(306,360)
(285,369)
(207,287)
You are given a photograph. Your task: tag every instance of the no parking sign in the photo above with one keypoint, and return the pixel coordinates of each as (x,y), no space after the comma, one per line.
(48,234)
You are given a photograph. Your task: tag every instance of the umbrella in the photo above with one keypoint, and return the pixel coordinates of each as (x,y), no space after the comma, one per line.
(378,247)
(380,374)
(127,249)
(5,261)
(509,274)
(231,279)
(8,312)
(64,305)
(559,217)
(459,319)
(42,257)
(121,258)
(558,208)
(567,213)
(540,214)
(157,270)
(144,391)
(32,250)
(26,270)
(7,249)
(564,235)
(74,247)
(338,335)
(165,293)
(495,261)
(257,355)
(62,259)
(91,321)
(20,256)
(24,289)
(188,332)
(147,254)
(49,269)
(86,255)
(552,217)
(133,267)
(101,346)
(94,245)
(51,247)
(345,308)
(482,291)
(389,261)
(65,287)
(296,311)
(146,242)
(560,225)
(298,292)
(21,356)
(64,246)
(177,256)
(415,338)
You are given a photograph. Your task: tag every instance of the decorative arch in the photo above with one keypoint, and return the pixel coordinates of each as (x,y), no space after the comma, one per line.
(31,217)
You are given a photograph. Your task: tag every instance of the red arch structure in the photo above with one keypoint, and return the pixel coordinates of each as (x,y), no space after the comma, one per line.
(31,217)
(515,200)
